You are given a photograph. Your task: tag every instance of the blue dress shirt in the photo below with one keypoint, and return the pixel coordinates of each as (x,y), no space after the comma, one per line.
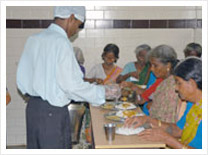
(48,68)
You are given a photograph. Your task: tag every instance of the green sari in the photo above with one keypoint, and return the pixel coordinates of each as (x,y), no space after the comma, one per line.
(143,75)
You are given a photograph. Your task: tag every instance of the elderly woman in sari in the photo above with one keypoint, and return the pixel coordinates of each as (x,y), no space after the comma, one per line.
(138,69)
(188,77)
(107,72)
(165,104)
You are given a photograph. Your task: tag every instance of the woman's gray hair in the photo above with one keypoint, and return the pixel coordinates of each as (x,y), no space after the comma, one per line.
(79,55)
(164,54)
(143,47)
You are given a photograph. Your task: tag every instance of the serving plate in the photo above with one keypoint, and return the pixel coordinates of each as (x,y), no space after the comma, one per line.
(108,106)
(111,105)
(125,106)
(120,116)
(113,117)
(128,131)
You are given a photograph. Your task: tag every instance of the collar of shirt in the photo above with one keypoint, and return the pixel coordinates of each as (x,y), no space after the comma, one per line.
(58,29)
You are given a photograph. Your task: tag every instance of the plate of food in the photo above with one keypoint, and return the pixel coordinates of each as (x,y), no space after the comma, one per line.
(113,117)
(121,115)
(125,106)
(128,113)
(128,131)
(109,106)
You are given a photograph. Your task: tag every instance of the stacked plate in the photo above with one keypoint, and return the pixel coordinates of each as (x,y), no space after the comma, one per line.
(121,111)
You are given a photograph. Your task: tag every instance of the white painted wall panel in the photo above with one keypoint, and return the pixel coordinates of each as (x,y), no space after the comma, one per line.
(104,12)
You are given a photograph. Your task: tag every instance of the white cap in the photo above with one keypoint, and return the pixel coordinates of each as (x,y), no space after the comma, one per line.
(67,11)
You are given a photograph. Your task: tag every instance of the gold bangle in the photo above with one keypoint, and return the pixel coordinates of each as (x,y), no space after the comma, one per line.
(159,123)
(184,147)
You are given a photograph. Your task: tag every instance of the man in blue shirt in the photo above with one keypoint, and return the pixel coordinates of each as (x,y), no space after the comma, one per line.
(49,73)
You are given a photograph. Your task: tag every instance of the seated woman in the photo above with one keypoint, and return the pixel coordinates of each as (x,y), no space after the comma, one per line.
(107,72)
(165,104)
(188,76)
(137,69)
(193,49)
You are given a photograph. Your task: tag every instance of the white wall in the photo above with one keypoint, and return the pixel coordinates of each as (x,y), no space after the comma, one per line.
(92,42)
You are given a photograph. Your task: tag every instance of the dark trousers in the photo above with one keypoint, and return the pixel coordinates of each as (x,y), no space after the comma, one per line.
(48,127)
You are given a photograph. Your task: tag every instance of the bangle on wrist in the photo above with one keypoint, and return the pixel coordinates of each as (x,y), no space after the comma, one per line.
(159,123)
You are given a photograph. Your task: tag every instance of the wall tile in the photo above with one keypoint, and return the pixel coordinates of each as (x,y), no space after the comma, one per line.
(199,24)
(176,23)
(40,14)
(18,14)
(90,7)
(121,24)
(82,33)
(16,43)
(140,24)
(119,15)
(45,23)
(191,23)
(175,14)
(104,24)
(94,15)
(102,42)
(90,24)
(198,35)
(199,14)
(14,24)
(31,24)
(158,24)
(86,43)
(198,7)
(16,33)
(94,33)
(8,13)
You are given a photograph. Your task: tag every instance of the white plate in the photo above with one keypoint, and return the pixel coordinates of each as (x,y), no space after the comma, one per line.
(129,131)
(128,113)
(125,106)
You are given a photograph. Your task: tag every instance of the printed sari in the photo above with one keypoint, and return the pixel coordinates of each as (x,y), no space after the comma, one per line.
(165,102)
(193,119)
(111,77)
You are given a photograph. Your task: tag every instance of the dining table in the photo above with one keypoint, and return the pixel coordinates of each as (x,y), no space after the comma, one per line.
(121,141)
